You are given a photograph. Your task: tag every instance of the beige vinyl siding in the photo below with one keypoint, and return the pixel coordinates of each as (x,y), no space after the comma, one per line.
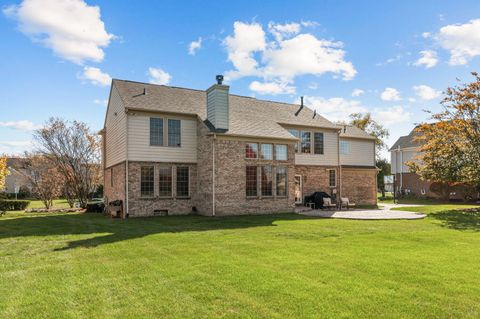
(115,128)
(393,161)
(408,156)
(139,148)
(361,152)
(330,151)
(399,158)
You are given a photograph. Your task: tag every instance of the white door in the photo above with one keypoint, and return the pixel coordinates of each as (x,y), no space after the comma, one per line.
(298,189)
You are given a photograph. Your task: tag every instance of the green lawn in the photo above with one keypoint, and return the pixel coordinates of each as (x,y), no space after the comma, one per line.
(278,266)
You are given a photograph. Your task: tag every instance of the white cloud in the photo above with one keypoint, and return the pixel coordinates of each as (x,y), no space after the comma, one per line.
(158,76)
(194,46)
(428,59)
(246,40)
(23,125)
(392,115)
(281,31)
(461,40)
(335,108)
(426,93)
(71,28)
(426,35)
(411,100)
(15,147)
(100,102)
(390,94)
(358,92)
(283,53)
(272,88)
(95,76)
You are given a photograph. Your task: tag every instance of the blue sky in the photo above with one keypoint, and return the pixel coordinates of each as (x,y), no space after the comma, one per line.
(390,58)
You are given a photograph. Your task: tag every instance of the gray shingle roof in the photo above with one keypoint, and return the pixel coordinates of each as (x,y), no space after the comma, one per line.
(248,116)
(406,141)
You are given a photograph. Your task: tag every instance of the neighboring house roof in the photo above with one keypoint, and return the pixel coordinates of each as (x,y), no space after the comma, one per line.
(406,141)
(248,116)
(15,162)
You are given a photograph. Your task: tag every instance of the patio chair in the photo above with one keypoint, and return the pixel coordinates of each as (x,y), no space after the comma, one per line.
(327,203)
(346,202)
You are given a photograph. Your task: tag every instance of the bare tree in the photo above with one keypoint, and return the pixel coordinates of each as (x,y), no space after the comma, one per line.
(43,176)
(75,150)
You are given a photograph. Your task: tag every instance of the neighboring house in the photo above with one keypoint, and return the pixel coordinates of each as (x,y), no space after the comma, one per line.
(16,177)
(406,149)
(170,150)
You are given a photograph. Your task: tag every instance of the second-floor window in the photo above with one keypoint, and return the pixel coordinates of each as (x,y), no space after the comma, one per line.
(295,133)
(156,131)
(174,133)
(305,142)
(318,143)
(344,147)
(281,152)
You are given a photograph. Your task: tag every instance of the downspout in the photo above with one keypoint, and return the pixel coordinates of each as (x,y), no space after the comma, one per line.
(213,174)
(126,167)
(339,166)
(401,168)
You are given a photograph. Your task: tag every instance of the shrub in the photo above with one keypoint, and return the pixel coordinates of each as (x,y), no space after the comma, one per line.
(14,204)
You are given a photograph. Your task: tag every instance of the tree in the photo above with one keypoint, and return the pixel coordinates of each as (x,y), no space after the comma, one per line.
(385,169)
(369,125)
(450,146)
(75,151)
(3,171)
(44,177)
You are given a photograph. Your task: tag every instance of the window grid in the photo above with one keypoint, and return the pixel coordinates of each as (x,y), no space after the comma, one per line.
(251,150)
(281,152)
(251,180)
(332,178)
(266,151)
(267,180)
(174,133)
(183,181)
(344,147)
(165,181)
(305,142)
(147,180)
(318,143)
(156,131)
(281,181)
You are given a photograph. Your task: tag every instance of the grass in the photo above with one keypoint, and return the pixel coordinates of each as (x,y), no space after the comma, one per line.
(276,266)
(57,203)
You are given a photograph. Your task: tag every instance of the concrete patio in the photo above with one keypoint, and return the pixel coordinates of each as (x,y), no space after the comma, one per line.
(383,212)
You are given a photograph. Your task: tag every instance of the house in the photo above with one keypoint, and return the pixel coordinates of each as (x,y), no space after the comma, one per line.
(407,149)
(16,179)
(171,150)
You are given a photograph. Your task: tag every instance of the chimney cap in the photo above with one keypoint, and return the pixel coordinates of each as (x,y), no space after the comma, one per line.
(219,79)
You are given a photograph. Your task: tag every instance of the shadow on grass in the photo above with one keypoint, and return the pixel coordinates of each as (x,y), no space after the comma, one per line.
(115,230)
(468,219)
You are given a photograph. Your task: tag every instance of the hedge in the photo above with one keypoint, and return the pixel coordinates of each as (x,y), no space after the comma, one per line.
(13,204)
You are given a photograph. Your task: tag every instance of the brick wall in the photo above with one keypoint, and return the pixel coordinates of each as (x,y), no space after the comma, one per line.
(114,189)
(139,206)
(203,197)
(360,185)
(315,178)
(231,196)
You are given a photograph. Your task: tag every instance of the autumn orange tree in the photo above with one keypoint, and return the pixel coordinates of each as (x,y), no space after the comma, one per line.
(450,146)
(3,171)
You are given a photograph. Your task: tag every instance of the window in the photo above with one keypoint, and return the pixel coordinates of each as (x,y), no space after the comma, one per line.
(165,181)
(266,151)
(267,181)
(332,178)
(281,152)
(251,150)
(174,134)
(251,181)
(146,180)
(344,147)
(318,143)
(183,181)
(295,133)
(156,131)
(281,180)
(305,142)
